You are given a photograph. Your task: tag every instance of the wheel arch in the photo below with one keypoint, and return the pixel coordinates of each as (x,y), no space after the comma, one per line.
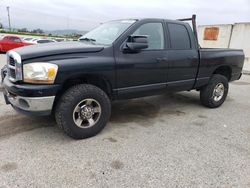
(96,80)
(93,79)
(224,70)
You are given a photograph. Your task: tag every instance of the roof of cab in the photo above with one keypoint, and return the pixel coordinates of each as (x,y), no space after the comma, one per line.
(154,19)
(149,19)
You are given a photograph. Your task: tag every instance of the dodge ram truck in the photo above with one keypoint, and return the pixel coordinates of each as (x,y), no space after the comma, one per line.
(122,59)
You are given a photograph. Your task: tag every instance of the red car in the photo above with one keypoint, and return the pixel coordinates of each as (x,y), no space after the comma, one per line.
(10,42)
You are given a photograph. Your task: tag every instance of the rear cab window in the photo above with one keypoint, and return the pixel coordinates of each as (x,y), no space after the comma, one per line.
(179,36)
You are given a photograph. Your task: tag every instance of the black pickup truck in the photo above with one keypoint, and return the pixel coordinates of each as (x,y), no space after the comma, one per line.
(76,81)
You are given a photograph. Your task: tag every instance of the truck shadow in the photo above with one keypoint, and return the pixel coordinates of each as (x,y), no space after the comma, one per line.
(144,111)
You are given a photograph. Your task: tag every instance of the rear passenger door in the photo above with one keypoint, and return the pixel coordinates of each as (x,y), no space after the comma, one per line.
(183,58)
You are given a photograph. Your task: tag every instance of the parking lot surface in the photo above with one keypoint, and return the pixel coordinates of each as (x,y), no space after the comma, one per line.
(161,141)
(2,60)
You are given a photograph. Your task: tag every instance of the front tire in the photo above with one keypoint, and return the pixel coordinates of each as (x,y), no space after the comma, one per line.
(83,111)
(214,94)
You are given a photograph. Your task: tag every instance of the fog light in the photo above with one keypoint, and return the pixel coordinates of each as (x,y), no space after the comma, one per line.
(23,103)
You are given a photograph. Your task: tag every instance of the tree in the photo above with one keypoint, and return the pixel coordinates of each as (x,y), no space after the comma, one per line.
(1,26)
(25,30)
(40,31)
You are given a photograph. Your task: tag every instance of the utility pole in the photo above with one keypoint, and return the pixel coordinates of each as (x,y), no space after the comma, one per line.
(68,21)
(8,10)
(1,26)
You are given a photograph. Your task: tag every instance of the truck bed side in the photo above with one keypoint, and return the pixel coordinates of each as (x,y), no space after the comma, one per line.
(228,62)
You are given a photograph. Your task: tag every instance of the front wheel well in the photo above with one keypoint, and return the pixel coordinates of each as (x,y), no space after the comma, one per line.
(224,71)
(97,81)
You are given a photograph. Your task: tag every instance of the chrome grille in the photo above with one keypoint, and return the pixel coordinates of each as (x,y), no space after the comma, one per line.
(14,66)
(11,61)
(11,68)
(12,73)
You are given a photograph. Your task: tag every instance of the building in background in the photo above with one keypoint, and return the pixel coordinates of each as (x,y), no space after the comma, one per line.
(227,36)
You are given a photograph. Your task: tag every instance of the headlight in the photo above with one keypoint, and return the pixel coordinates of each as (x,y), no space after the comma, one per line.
(44,73)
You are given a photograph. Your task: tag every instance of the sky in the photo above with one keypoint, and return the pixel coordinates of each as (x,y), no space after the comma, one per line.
(87,14)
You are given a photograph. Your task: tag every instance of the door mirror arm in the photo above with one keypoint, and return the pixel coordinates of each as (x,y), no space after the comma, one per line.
(136,43)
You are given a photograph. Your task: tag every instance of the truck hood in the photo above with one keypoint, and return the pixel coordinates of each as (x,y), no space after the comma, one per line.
(57,48)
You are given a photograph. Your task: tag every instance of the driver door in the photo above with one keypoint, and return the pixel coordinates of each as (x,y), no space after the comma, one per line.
(143,73)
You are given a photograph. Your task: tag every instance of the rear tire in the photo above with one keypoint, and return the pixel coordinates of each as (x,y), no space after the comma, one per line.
(214,94)
(83,111)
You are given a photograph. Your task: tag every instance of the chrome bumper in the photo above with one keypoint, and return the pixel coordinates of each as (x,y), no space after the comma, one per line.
(32,104)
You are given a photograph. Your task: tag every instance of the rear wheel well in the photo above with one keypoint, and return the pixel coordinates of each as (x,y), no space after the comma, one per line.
(225,71)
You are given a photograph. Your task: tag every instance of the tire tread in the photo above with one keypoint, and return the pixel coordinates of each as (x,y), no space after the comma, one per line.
(206,91)
(64,102)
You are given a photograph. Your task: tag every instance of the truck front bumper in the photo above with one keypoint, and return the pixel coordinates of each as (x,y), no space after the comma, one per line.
(30,105)
(30,99)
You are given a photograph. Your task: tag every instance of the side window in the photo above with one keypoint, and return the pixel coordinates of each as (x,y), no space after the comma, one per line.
(42,41)
(179,36)
(14,39)
(11,39)
(154,32)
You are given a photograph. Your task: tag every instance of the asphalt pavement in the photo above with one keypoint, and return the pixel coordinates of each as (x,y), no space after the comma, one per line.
(161,141)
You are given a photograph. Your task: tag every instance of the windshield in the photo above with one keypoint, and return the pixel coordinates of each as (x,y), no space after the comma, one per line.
(108,32)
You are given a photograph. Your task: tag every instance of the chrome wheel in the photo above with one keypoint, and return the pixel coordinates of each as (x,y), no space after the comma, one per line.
(87,113)
(218,92)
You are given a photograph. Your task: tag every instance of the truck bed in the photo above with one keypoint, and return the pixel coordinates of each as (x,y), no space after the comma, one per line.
(211,58)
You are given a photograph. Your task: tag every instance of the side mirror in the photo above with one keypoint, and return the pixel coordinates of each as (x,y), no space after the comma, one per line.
(136,43)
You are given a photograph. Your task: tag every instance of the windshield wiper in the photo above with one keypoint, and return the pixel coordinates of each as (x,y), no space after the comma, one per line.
(87,39)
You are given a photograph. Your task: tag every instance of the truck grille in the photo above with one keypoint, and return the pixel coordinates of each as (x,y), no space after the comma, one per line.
(11,61)
(11,68)
(14,64)
(12,73)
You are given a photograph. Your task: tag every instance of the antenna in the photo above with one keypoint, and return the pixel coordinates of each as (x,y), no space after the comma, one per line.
(8,10)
